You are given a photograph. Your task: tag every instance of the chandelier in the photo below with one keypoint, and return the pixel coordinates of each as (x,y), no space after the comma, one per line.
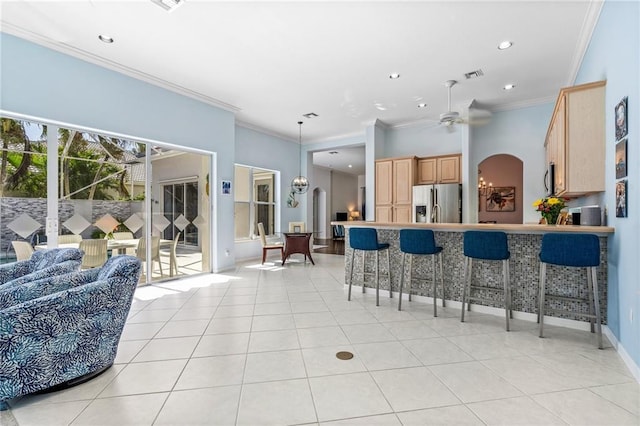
(300,184)
(483,188)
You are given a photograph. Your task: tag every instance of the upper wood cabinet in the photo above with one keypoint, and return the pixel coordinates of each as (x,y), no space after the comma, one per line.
(395,178)
(444,169)
(575,140)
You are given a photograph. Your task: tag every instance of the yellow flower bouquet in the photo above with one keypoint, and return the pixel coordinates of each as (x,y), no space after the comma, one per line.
(550,208)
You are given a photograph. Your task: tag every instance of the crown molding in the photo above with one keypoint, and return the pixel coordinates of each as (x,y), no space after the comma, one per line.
(586,32)
(263,130)
(524,104)
(114,66)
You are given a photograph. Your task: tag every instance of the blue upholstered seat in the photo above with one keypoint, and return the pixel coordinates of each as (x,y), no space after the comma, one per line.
(488,246)
(420,242)
(366,240)
(572,250)
(63,329)
(42,264)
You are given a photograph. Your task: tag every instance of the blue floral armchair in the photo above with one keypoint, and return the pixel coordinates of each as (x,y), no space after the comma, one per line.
(42,264)
(65,329)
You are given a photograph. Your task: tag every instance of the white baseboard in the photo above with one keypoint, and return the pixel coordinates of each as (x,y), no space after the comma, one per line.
(527,316)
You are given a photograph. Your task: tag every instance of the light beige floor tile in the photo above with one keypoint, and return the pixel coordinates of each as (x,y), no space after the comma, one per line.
(145,377)
(322,336)
(276,403)
(445,416)
(530,376)
(382,420)
(273,322)
(413,389)
(280,297)
(233,311)
(61,414)
(201,302)
(305,297)
(582,407)
(514,411)
(485,346)
(314,319)
(238,300)
(211,406)
(626,396)
(347,395)
(404,330)
(344,305)
(183,328)
(436,351)
(269,366)
(272,308)
(385,355)
(200,313)
(162,349)
(229,325)
(367,333)
(212,371)
(473,382)
(141,331)
(588,372)
(241,291)
(157,315)
(222,344)
(453,327)
(355,316)
(302,307)
(323,361)
(123,410)
(128,349)
(273,341)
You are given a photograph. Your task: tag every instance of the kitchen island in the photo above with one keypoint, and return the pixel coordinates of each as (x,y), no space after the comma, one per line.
(524,245)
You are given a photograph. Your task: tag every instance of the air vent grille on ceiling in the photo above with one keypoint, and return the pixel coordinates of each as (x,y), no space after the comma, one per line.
(474,74)
(168,5)
(333,152)
(310,115)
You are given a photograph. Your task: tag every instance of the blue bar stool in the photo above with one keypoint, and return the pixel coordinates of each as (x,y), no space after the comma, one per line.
(573,250)
(420,242)
(366,240)
(491,245)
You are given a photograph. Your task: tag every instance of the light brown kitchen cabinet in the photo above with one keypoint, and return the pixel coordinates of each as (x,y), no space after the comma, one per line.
(395,178)
(443,169)
(575,141)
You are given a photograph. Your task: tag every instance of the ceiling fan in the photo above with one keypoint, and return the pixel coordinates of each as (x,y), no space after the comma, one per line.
(476,116)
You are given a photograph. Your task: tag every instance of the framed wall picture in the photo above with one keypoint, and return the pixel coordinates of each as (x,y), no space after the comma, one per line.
(621,198)
(621,159)
(502,199)
(621,119)
(226,187)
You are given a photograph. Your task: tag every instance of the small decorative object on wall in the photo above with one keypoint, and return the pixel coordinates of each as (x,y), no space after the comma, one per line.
(291,200)
(621,159)
(621,119)
(621,198)
(226,187)
(502,199)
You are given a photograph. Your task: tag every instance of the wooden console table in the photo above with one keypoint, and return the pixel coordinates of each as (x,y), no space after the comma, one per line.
(297,242)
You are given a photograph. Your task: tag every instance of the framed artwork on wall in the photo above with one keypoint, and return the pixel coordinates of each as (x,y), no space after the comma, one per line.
(621,198)
(621,119)
(502,199)
(621,159)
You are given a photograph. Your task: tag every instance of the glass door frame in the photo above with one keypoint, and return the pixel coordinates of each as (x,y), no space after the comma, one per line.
(51,226)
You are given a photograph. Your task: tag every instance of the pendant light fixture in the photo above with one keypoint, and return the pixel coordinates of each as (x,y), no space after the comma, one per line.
(300,184)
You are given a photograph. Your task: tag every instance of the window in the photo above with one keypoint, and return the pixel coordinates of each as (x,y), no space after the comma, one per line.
(255,201)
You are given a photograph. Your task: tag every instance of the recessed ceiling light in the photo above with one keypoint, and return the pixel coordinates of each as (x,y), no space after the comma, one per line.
(394,76)
(422,105)
(350,166)
(505,45)
(105,39)
(509,86)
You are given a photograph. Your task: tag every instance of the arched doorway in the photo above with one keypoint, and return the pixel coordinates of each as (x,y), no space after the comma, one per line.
(500,201)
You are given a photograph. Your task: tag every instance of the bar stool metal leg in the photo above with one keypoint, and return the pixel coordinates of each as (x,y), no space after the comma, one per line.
(505,277)
(596,302)
(389,271)
(353,258)
(590,294)
(464,286)
(435,287)
(410,274)
(401,281)
(441,278)
(363,269)
(543,273)
(377,278)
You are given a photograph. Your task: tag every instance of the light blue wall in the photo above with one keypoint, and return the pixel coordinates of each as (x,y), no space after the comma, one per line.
(521,133)
(614,55)
(422,140)
(39,82)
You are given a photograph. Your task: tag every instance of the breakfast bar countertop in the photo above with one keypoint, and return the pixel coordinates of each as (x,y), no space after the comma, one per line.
(510,228)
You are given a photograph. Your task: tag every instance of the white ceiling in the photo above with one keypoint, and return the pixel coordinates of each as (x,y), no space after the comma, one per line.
(271,62)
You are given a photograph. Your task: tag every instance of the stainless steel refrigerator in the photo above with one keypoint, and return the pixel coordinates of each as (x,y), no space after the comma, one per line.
(437,203)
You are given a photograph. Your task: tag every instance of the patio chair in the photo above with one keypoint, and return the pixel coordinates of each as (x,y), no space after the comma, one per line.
(23,250)
(173,258)
(95,253)
(69,239)
(141,252)
(123,235)
(269,245)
